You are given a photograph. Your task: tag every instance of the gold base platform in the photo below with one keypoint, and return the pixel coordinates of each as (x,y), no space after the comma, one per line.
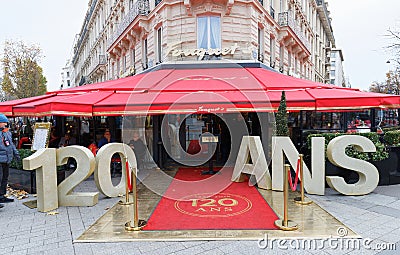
(312,222)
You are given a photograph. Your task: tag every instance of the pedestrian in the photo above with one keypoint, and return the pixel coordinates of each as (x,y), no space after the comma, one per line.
(7,153)
(139,148)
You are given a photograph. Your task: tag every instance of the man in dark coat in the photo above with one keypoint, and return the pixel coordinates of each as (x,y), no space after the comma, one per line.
(7,153)
(139,148)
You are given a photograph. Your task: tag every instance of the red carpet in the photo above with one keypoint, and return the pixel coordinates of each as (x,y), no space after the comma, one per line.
(200,202)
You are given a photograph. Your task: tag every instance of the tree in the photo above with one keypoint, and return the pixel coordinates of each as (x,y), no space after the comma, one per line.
(393,82)
(390,86)
(23,77)
(282,118)
(394,45)
(378,87)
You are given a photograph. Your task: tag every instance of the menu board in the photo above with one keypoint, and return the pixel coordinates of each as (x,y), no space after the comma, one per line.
(41,136)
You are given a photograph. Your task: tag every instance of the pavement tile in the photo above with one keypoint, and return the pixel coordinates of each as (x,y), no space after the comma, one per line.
(191,250)
(385,210)
(26,231)
(7,250)
(395,205)
(43,248)
(27,246)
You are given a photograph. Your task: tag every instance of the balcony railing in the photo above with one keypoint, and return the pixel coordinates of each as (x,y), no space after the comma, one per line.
(140,7)
(84,30)
(98,63)
(322,4)
(102,60)
(286,19)
(272,12)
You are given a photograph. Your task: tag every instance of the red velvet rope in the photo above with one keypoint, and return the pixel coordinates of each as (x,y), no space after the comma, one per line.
(128,176)
(293,187)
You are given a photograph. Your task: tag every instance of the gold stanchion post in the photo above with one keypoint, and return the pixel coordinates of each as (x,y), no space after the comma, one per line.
(302,200)
(286,224)
(133,209)
(127,191)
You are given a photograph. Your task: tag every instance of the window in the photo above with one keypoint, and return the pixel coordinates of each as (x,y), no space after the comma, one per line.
(133,59)
(67,74)
(124,63)
(272,51)
(144,54)
(208,32)
(68,83)
(260,45)
(282,58)
(159,46)
(332,73)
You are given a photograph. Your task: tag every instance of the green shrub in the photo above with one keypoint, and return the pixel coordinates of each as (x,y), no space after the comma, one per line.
(379,155)
(386,129)
(282,128)
(392,137)
(24,153)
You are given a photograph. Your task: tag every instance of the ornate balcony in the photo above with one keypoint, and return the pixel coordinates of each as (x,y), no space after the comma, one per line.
(140,7)
(286,19)
(99,66)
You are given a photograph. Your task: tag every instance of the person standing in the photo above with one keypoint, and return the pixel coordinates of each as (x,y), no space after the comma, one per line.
(7,153)
(139,148)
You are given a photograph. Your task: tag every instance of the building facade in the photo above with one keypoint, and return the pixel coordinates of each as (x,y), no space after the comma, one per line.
(337,73)
(67,78)
(119,38)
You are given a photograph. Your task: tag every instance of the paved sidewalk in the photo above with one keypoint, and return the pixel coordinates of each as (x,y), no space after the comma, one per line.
(376,217)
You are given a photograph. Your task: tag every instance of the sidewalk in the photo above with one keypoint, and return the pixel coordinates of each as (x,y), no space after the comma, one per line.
(27,231)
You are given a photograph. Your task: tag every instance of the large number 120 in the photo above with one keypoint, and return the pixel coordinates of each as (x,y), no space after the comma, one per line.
(45,162)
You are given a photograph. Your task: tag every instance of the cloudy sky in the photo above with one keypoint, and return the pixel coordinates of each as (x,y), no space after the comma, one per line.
(52,24)
(359,27)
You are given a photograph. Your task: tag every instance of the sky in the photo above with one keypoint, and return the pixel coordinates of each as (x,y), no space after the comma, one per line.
(51,24)
(359,27)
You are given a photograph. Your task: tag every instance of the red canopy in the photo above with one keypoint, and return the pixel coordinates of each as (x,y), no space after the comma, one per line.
(7,107)
(203,89)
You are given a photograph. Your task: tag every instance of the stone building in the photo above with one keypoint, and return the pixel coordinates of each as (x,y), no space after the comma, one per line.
(337,73)
(119,38)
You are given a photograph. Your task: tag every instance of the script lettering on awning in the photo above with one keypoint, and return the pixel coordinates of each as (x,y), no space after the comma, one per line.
(205,109)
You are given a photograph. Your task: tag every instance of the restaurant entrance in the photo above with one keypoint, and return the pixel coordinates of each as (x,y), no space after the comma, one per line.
(178,137)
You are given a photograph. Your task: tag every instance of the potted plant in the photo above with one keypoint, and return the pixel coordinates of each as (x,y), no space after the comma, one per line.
(392,140)
(380,158)
(282,118)
(24,179)
(19,178)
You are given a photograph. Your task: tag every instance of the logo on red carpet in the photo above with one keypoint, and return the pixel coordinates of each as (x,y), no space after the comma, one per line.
(211,205)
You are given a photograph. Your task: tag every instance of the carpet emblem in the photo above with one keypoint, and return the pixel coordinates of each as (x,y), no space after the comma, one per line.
(213,205)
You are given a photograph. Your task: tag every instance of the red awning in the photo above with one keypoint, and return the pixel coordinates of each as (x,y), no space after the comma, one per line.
(200,90)
(339,99)
(7,107)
